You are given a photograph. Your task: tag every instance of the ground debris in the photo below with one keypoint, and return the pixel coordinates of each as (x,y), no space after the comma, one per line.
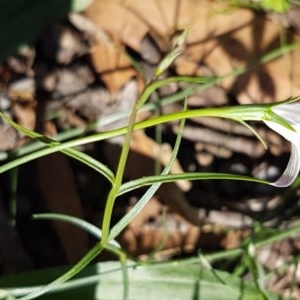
(87,72)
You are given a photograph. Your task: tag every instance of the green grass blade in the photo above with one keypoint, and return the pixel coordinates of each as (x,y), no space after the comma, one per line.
(88,227)
(163,178)
(149,193)
(224,112)
(78,155)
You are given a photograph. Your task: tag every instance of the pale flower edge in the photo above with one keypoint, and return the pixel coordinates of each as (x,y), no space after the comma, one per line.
(292,170)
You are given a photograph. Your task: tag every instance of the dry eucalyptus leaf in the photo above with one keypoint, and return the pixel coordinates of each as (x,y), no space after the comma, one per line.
(222,37)
(122,24)
(8,137)
(160,16)
(113,65)
(108,56)
(228,40)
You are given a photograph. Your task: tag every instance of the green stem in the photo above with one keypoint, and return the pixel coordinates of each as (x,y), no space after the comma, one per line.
(117,182)
(255,112)
(123,158)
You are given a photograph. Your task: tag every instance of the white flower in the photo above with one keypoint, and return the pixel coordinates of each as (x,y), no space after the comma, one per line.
(287,115)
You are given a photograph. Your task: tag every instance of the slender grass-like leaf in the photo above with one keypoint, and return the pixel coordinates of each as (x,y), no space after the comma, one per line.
(114,232)
(137,183)
(88,227)
(80,156)
(251,111)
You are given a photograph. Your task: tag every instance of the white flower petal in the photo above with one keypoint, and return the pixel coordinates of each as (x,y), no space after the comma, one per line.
(289,111)
(291,171)
(291,114)
(291,136)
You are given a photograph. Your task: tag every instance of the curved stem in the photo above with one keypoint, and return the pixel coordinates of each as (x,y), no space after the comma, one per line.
(116,184)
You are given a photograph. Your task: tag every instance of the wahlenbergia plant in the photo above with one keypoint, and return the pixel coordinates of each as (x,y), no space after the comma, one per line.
(281,117)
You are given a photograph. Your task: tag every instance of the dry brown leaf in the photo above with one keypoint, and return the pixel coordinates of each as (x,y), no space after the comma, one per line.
(221,37)
(175,234)
(152,209)
(224,41)
(8,137)
(160,16)
(113,65)
(23,105)
(120,23)
(153,231)
(108,56)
